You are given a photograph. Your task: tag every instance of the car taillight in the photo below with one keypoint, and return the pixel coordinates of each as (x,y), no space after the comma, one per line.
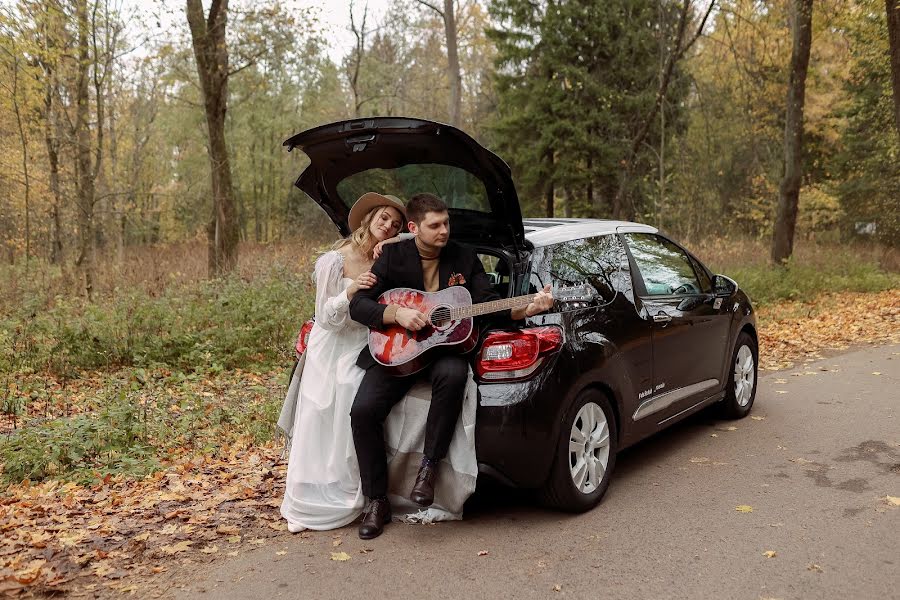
(516,354)
(303,337)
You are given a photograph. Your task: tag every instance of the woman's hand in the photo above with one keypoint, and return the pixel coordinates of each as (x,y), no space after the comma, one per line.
(379,247)
(363,282)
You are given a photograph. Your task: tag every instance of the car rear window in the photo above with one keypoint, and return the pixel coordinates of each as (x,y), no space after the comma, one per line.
(598,261)
(457,187)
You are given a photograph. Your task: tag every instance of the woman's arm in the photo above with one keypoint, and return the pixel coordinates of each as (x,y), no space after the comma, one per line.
(332,304)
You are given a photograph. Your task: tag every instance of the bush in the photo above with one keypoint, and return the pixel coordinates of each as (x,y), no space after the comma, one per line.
(221,324)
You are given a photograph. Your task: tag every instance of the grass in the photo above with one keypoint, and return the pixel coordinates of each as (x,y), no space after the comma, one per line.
(166,362)
(815,268)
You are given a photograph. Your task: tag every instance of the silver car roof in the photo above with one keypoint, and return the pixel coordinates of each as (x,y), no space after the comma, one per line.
(546,231)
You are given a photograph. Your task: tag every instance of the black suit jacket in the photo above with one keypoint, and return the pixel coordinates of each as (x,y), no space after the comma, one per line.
(401,266)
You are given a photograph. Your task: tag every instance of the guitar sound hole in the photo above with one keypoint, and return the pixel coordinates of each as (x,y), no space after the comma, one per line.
(440,317)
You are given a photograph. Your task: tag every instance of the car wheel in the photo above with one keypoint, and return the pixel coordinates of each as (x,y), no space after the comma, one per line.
(741,388)
(585,455)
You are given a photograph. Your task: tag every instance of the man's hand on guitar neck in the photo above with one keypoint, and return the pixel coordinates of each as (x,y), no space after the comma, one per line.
(542,301)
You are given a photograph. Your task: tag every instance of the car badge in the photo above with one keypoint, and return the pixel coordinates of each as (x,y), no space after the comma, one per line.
(717,303)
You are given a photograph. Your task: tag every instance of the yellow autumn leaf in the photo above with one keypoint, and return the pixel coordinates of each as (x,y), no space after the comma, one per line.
(892,500)
(770,554)
(282,553)
(340,556)
(210,549)
(755,418)
(337,542)
(235,539)
(743,508)
(176,548)
(142,537)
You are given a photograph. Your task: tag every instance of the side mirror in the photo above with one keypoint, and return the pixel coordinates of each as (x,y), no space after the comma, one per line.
(724,286)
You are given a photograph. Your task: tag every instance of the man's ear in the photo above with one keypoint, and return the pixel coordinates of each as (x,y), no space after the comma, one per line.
(413,228)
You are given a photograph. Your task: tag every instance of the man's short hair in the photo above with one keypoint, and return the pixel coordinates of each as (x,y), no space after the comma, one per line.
(423,203)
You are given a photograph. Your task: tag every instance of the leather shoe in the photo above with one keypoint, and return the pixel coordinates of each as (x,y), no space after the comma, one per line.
(423,491)
(376,515)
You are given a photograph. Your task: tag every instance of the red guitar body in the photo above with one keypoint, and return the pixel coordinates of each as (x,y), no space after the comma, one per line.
(405,352)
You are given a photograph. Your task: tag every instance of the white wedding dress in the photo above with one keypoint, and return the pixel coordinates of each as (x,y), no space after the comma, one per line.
(322,487)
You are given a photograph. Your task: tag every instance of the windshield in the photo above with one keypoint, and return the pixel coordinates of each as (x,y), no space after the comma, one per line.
(457,187)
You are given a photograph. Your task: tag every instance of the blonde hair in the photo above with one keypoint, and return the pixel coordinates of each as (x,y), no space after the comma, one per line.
(362,237)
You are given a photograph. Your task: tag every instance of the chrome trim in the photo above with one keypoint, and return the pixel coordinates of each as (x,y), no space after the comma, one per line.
(663,401)
(705,401)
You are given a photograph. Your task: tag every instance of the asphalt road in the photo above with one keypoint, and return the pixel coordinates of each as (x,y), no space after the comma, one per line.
(816,466)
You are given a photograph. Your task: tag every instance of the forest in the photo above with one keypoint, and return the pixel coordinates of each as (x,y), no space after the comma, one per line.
(155,255)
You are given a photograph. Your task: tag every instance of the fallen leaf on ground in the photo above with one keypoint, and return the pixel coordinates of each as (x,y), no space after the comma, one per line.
(743,508)
(209,549)
(283,552)
(892,500)
(876,372)
(756,418)
(177,547)
(557,588)
(699,459)
(340,556)
(770,554)
(814,567)
(482,553)
(337,543)
(228,529)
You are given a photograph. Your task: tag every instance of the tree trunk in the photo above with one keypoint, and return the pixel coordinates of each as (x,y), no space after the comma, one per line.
(893,23)
(211,54)
(23,138)
(549,190)
(789,194)
(453,63)
(83,162)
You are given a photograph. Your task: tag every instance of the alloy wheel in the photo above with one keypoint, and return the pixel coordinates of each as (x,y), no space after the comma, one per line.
(589,448)
(744,376)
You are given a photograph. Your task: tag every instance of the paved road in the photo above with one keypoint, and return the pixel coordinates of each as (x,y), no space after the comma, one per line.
(816,468)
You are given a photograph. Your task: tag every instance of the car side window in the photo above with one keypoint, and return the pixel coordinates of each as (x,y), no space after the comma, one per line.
(665,267)
(599,261)
(706,285)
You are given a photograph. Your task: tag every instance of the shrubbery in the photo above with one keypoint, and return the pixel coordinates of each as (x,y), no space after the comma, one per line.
(225,323)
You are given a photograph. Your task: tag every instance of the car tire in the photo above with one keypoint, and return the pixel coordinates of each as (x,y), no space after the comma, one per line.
(575,485)
(740,391)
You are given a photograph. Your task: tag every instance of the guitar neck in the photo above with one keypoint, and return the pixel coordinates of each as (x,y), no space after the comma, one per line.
(485,308)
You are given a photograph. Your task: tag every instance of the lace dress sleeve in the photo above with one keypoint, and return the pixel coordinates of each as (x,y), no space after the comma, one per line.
(332,305)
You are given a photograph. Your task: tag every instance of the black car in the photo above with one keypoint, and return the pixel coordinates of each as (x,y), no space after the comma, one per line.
(657,338)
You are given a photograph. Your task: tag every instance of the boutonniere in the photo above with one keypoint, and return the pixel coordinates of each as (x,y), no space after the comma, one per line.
(456,279)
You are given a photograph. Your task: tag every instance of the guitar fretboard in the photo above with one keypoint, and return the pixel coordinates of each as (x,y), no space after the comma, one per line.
(485,308)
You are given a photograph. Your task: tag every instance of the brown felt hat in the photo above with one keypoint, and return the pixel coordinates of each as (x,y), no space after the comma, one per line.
(371,200)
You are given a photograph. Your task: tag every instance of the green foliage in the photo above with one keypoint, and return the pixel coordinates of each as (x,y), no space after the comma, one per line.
(869,160)
(575,81)
(224,324)
(113,441)
(143,417)
(766,284)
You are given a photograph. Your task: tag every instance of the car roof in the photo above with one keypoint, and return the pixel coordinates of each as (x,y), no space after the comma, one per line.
(546,231)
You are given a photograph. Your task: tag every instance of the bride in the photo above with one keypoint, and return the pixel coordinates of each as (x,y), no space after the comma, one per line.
(322,487)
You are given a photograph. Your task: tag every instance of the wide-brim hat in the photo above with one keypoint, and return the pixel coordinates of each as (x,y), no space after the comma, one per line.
(371,200)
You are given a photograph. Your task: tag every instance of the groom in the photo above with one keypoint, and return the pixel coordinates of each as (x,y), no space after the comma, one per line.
(428,262)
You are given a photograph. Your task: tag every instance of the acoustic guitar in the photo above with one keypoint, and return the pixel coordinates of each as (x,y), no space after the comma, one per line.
(449,325)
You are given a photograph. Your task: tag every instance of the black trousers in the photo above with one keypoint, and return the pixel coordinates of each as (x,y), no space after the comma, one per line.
(378,394)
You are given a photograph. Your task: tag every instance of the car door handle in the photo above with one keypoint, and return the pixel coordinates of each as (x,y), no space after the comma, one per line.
(661,317)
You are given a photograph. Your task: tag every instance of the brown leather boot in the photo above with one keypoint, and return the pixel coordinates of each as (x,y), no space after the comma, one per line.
(423,490)
(376,515)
